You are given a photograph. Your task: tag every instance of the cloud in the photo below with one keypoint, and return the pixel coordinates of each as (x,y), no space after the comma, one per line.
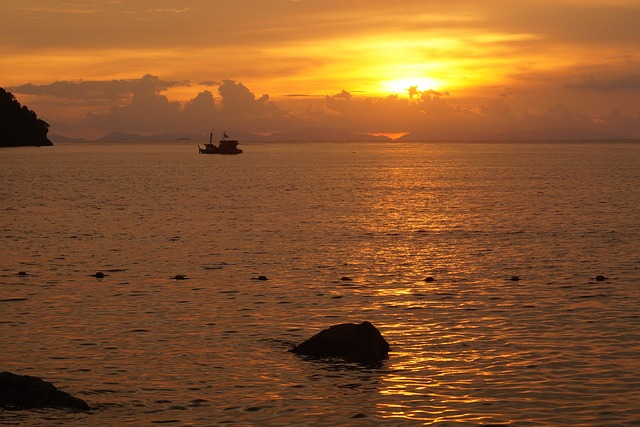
(96,6)
(109,90)
(172,11)
(626,124)
(506,92)
(370,114)
(141,106)
(202,105)
(75,10)
(238,99)
(627,82)
(148,110)
(209,83)
(242,110)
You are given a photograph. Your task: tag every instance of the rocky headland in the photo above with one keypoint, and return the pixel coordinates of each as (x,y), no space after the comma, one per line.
(19,126)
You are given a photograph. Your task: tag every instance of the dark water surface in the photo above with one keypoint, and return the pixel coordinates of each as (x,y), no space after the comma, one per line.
(471,348)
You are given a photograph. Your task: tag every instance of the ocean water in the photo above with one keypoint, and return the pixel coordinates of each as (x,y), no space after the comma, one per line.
(471,348)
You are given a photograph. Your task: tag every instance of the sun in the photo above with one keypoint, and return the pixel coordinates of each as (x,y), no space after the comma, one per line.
(403,85)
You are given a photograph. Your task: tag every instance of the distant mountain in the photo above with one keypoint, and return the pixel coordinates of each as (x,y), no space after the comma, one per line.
(163,137)
(122,137)
(19,126)
(323,135)
(301,135)
(60,138)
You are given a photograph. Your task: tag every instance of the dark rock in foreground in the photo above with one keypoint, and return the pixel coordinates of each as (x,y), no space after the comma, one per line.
(27,392)
(360,343)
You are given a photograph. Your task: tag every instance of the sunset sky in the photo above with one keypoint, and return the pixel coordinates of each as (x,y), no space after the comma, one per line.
(457,69)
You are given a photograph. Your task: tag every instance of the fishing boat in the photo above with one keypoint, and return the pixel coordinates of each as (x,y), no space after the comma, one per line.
(225,146)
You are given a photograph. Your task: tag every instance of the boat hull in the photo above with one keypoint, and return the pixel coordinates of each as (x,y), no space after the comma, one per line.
(206,151)
(217,150)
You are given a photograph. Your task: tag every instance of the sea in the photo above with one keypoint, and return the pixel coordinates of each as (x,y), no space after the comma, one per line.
(343,233)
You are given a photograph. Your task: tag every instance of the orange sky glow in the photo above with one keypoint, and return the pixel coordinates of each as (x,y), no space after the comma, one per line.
(517,69)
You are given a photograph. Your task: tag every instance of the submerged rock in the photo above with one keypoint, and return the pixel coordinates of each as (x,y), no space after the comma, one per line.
(27,392)
(515,278)
(360,343)
(600,278)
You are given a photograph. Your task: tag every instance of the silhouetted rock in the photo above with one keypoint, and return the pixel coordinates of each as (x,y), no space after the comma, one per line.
(360,343)
(20,126)
(179,277)
(600,278)
(98,275)
(262,278)
(515,278)
(345,278)
(429,279)
(27,392)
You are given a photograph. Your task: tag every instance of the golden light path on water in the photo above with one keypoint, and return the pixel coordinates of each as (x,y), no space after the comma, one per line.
(452,349)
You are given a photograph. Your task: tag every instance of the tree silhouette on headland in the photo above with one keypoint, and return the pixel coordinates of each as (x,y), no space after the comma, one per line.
(19,126)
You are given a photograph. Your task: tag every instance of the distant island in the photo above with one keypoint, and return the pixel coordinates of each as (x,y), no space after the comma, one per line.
(19,126)
(300,135)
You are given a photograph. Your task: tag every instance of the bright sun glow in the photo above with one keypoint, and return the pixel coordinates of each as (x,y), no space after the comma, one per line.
(401,86)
